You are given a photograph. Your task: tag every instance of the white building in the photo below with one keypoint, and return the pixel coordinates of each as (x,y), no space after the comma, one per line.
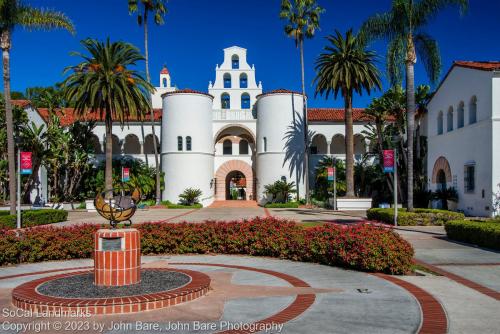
(233,137)
(463,131)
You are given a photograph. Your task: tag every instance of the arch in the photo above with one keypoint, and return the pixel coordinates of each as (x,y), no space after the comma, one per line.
(235,62)
(359,144)
(225,101)
(243,147)
(117,147)
(96,144)
(319,145)
(189,143)
(234,166)
(245,101)
(227,80)
(440,123)
(473,110)
(449,119)
(149,145)
(131,144)
(243,80)
(227,147)
(338,144)
(460,115)
(441,164)
(179,143)
(164,82)
(243,130)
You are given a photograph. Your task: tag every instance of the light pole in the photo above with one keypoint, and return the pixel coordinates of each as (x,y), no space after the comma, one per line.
(17,140)
(396,139)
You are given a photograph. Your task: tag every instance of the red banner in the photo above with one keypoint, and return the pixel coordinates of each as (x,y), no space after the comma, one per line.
(388,161)
(26,163)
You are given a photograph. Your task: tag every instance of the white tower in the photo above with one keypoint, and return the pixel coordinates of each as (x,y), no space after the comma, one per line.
(280,140)
(235,87)
(164,87)
(187,150)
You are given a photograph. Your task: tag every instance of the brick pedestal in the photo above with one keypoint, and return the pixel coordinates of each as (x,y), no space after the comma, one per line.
(117,257)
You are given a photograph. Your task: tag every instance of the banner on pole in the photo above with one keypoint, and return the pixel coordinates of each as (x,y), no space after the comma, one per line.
(331,173)
(26,163)
(388,161)
(125,174)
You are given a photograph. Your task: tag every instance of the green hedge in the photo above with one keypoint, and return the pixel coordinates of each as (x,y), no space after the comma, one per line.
(419,217)
(481,233)
(33,218)
(282,205)
(170,205)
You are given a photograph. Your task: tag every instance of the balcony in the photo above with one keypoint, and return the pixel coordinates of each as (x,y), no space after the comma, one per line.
(233,115)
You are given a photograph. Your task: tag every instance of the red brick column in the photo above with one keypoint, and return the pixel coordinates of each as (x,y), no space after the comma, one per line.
(117,257)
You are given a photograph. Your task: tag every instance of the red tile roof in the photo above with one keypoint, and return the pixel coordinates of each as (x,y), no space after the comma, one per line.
(21,103)
(68,116)
(279,91)
(164,70)
(479,65)
(186,91)
(337,115)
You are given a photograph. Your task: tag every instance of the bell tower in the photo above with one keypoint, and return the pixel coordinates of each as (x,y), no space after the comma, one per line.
(165,78)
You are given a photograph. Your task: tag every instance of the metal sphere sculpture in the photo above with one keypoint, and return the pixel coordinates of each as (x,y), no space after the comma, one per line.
(118,204)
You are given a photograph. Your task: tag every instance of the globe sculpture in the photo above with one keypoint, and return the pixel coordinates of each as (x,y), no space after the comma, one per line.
(118,204)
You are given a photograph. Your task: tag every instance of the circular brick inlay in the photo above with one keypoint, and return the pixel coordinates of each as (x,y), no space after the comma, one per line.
(27,297)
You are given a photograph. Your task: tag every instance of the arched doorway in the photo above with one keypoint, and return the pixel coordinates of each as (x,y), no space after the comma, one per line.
(236,186)
(237,175)
(441,173)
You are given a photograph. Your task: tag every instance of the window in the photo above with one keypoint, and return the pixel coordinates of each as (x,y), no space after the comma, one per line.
(245,101)
(243,147)
(227,147)
(473,110)
(469,180)
(460,115)
(188,143)
(440,123)
(235,62)
(243,80)
(179,143)
(264,143)
(227,80)
(449,120)
(164,82)
(314,150)
(225,101)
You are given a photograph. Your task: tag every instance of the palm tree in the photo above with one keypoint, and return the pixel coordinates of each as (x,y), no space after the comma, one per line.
(158,8)
(348,68)
(13,14)
(403,27)
(302,22)
(104,83)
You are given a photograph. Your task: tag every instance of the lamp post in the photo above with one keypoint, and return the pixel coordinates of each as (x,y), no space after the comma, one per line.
(396,139)
(17,140)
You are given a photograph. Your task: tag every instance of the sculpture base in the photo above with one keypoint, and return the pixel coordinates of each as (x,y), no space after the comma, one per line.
(117,257)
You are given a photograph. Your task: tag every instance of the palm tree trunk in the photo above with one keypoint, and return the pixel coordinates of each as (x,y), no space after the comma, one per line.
(306,130)
(410,116)
(108,175)
(349,146)
(11,155)
(155,144)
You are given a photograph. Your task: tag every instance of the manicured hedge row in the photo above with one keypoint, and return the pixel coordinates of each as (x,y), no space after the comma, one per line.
(34,218)
(282,205)
(365,247)
(481,233)
(417,217)
(170,205)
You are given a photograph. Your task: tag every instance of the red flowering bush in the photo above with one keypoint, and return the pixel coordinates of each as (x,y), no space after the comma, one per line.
(362,247)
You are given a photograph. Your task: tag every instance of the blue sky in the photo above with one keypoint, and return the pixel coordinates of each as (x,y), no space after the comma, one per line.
(196,31)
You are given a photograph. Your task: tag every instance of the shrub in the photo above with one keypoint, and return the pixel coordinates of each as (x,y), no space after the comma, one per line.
(423,217)
(481,233)
(364,247)
(280,191)
(282,205)
(170,205)
(190,196)
(34,218)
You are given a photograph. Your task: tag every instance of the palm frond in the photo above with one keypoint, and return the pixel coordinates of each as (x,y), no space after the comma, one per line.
(428,50)
(426,10)
(44,19)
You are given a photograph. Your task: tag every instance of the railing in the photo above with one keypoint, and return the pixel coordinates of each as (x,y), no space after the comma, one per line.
(233,115)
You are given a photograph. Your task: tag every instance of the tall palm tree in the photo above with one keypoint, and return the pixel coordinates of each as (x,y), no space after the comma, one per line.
(14,14)
(158,9)
(403,28)
(348,68)
(104,83)
(302,22)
